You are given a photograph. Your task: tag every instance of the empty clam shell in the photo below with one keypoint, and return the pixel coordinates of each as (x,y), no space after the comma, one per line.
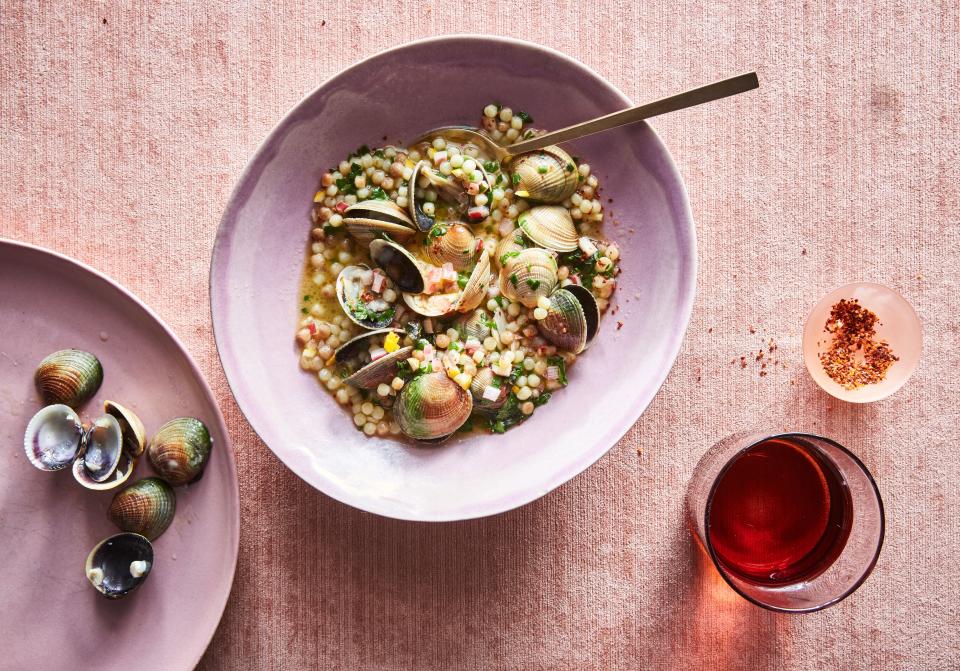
(53,437)
(134,435)
(370,219)
(432,406)
(379,371)
(179,450)
(357,346)
(359,304)
(547,176)
(529,275)
(119,564)
(591,311)
(405,271)
(146,507)
(456,246)
(550,227)
(68,376)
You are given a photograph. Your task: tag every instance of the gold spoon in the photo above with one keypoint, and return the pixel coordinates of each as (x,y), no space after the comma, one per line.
(697,96)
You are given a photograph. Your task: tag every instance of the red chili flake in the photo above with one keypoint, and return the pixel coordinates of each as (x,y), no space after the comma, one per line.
(743,362)
(619,325)
(312,328)
(710,330)
(856,357)
(759,356)
(752,330)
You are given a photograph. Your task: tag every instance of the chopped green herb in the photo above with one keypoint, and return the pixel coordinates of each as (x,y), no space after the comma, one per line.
(516,178)
(378,194)
(379,153)
(437,231)
(571,167)
(362,149)
(490,324)
(422,344)
(364,314)
(307,297)
(506,256)
(346,184)
(513,279)
(499,300)
(533,284)
(542,399)
(542,169)
(462,279)
(304,311)
(491,166)
(561,368)
(524,117)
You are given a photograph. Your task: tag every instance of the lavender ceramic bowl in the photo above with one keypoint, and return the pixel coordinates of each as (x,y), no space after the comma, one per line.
(260,250)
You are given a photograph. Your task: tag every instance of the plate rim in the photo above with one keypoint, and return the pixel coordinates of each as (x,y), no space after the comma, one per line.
(687,290)
(204,386)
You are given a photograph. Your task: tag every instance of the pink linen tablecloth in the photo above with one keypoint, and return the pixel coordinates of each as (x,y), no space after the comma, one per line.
(122,131)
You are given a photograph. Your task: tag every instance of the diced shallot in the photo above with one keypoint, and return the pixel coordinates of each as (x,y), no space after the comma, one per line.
(587,246)
(478,213)
(341,206)
(553,373)
(377,353)
(491,393)
(378,280)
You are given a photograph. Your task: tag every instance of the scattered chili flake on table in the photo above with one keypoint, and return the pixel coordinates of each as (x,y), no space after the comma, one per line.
(855,357)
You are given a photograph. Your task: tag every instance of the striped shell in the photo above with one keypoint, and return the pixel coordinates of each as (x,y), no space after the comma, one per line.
(572,319)
(437,305)
(380,371)
(546,176)
(550,227)
(134,435)
(179,450)
(146,507)
(405,271)
(369,219)
(68,376)
(483,379)
(53,437)
(425,177)
(119,564)
(457,246)
(473,325)
(528,276)
(509,246)
(432,406)
(358,345)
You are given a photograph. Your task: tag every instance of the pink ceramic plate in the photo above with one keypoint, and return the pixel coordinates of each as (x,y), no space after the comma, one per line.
(51,618)
(261,245)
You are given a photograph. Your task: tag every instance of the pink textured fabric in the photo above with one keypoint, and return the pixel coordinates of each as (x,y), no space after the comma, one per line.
(123,130)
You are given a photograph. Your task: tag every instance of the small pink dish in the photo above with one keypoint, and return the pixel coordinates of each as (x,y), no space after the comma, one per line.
(260,249)
(52,618)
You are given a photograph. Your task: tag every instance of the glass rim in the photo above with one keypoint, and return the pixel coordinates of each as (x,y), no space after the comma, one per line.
(724,573)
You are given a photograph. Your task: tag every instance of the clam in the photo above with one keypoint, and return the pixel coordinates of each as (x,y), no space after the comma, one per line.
(69,377)
(405,271)
(529,275)
(463,300)
(102,446)
(507,248)
(425,177)
(100,440)
(572,319)
(546,176)
(119,564)
(134,435)
(474,325)
(53,437)
(432,406)
(371,219)
(179,450)
(361,305)
(456,246)
(365,373)
(489,394)
(550,227)
(146,507)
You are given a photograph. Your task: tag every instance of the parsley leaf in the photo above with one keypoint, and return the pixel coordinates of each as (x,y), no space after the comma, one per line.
(524,117)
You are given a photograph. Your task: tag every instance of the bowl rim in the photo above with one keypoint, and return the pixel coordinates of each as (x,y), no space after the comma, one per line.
(221,424)
(687,289)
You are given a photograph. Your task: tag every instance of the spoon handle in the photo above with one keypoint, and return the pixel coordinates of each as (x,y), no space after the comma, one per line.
(697,96)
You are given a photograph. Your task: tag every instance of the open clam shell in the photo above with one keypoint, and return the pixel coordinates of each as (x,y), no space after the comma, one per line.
(550,227)
(465,300)
(53,437)
(379,371)
(360,305)
(119,564)
(425,177)
(146,507)
(572,319)
(546,176)
(357,346)
(180,450)
(134,434)
(403,269)
(456,246)
(432,406)
(102,446)
(370,219)
(530,274)
(69,377)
